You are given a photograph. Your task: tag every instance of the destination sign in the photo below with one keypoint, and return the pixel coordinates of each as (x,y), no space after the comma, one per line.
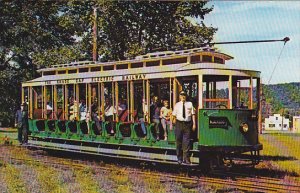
(218,122)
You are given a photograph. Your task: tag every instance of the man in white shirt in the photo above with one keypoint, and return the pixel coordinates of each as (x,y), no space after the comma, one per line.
(185,120)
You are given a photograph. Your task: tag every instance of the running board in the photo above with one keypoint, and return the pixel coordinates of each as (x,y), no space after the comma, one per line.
(107,152)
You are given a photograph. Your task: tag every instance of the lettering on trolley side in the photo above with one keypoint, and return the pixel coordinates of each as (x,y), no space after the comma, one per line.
(79,80)
(134,77)
(218,122)
(48,82)
(62,81)
(103,79)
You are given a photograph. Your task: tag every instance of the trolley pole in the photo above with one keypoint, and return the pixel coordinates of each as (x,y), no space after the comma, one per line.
(95,33)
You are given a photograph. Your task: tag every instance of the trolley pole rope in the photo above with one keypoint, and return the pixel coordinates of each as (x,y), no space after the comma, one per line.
(286,39)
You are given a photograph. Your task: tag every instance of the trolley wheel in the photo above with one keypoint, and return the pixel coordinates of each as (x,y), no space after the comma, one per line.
(206,163)
(255,157)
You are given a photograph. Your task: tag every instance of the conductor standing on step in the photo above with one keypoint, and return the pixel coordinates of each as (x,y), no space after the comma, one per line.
(185,121)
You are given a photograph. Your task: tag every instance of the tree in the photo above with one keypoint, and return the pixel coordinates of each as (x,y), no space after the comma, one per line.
(36,34)
(27,28)
(128,28)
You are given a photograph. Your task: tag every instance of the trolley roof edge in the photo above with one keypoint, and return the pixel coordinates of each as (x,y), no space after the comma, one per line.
(167,55)
(142,74)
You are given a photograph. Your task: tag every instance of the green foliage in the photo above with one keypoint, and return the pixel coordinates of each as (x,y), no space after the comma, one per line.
(132,28)
(36,34)
(26,27)
(283,96)
(270,97)
(61,55)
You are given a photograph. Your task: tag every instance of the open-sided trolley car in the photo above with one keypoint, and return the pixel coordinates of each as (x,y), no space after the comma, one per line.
(226,101)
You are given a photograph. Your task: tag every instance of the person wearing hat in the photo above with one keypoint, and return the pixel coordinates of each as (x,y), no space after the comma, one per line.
(185,120)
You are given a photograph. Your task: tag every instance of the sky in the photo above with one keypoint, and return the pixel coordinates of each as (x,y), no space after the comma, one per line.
(260,20)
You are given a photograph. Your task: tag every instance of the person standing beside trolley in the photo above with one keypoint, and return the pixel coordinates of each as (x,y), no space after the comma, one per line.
(25,123)
(18,123)
(185,120)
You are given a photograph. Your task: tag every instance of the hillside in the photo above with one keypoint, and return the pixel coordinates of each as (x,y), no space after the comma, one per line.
(283,96)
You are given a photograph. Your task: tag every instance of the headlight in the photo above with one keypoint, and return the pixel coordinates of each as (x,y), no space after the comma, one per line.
(244,127)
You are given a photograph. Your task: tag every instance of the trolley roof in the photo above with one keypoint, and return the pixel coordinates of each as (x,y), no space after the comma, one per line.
(153,65)
(156,56)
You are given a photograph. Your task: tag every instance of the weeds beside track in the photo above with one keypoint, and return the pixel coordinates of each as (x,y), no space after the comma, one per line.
(218,179)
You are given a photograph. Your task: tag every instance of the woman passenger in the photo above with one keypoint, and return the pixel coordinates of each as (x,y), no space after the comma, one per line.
(109,111)
(165,113)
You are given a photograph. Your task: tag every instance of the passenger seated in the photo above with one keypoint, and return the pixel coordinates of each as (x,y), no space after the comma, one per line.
(243,106)
(82,110)
(109,111)
(73,111)
(165,114)
(155,115)
(122,105)
(141,118)
(95,118)
(49,109)
(87,119)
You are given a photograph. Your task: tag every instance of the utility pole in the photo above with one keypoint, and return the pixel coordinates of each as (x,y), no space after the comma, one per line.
(95,34)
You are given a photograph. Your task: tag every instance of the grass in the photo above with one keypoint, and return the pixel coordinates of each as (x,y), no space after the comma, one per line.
(13,179)
(48,178)
(285,152)
(85,180)
(281,153)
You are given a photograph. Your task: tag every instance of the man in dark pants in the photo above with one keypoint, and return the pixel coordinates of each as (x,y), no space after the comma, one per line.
(185,120)
(18,123)
(25,123)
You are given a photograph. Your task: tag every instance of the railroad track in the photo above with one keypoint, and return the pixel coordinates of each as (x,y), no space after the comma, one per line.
(219,179)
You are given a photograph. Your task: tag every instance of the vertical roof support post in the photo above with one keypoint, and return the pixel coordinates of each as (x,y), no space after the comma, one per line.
(99,100)
(52,101)
(117,101)
(131,95)
(200,91)
(229,106)
(102,99)
(44,102)
(66,101)
(174,91)
(55,110)
(30,102)
(259,93)
(251,93)
(148,100)
(22,91)
(170,94)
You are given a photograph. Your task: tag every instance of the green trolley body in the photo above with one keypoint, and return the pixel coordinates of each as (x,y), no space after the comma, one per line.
(65,101)
(228,130)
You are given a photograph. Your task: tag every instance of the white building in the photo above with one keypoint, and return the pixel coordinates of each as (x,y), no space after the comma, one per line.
(296,124)
(276,123)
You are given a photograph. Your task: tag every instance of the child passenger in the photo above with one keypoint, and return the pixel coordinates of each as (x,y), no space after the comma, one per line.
(165,113)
